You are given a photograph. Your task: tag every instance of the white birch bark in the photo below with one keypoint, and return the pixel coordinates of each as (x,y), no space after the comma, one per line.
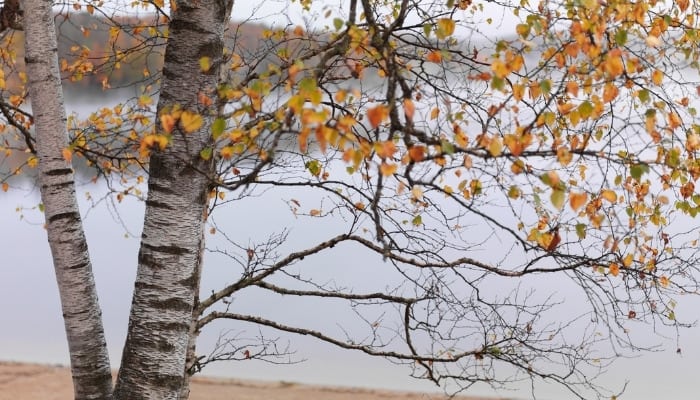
(153,361)
(81,312)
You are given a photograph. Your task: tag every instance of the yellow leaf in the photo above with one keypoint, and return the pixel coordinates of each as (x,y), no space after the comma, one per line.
(609,195)
(445,28)
(227,152)
(204,64)
(627,261)
(32,161)
(191,121)
(664,281)
(377,115)
(500,69)
(340,95)
(518,92)
(577,200)
(387,169)
(496,147)
(417,193)
(657,77)
(434,113)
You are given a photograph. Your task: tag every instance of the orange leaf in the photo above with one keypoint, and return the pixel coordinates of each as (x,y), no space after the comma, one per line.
(409,108)
(610,92)
(385,149)
(664,281)
(67,154)
(614,269)
(387,169)
(5,187)
(416,153)
(167,121)
(377,115)
(657,77)
(434,57)
(577,200)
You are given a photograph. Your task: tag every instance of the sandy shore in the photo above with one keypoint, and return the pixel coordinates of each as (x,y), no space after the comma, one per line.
(19,381)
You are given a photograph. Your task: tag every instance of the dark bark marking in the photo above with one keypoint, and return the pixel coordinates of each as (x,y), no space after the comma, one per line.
(59,171)
(71,215)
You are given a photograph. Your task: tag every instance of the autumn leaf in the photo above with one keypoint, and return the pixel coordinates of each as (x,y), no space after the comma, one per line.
(416,153)
(5,187)
(67,155)
(557,198)
(496,147)
(377,115)
(409,108)
(445,28)
(500,69)
(577,200)
(434,56)
(205,64)
(167,122)
(191,121)
(614,269)
(609,195)
(387,169)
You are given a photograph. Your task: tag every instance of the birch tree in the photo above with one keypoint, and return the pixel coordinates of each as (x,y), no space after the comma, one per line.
(90,366)
(179,181)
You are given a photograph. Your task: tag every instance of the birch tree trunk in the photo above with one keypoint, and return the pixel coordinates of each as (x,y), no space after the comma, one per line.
(81,311)
(153,361)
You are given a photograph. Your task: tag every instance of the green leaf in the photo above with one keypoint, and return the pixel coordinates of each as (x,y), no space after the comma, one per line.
(497,83)
(217,128)
(621,37)
(581,231)
(644,95)
(558,198)
(585,109)
(637,170)
(447,147)
(314,166)
(206,153)
(417,220)
(514,192)
(338,24)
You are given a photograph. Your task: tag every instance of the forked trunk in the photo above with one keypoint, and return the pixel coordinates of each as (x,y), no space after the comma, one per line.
(153,361)
(81,311)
